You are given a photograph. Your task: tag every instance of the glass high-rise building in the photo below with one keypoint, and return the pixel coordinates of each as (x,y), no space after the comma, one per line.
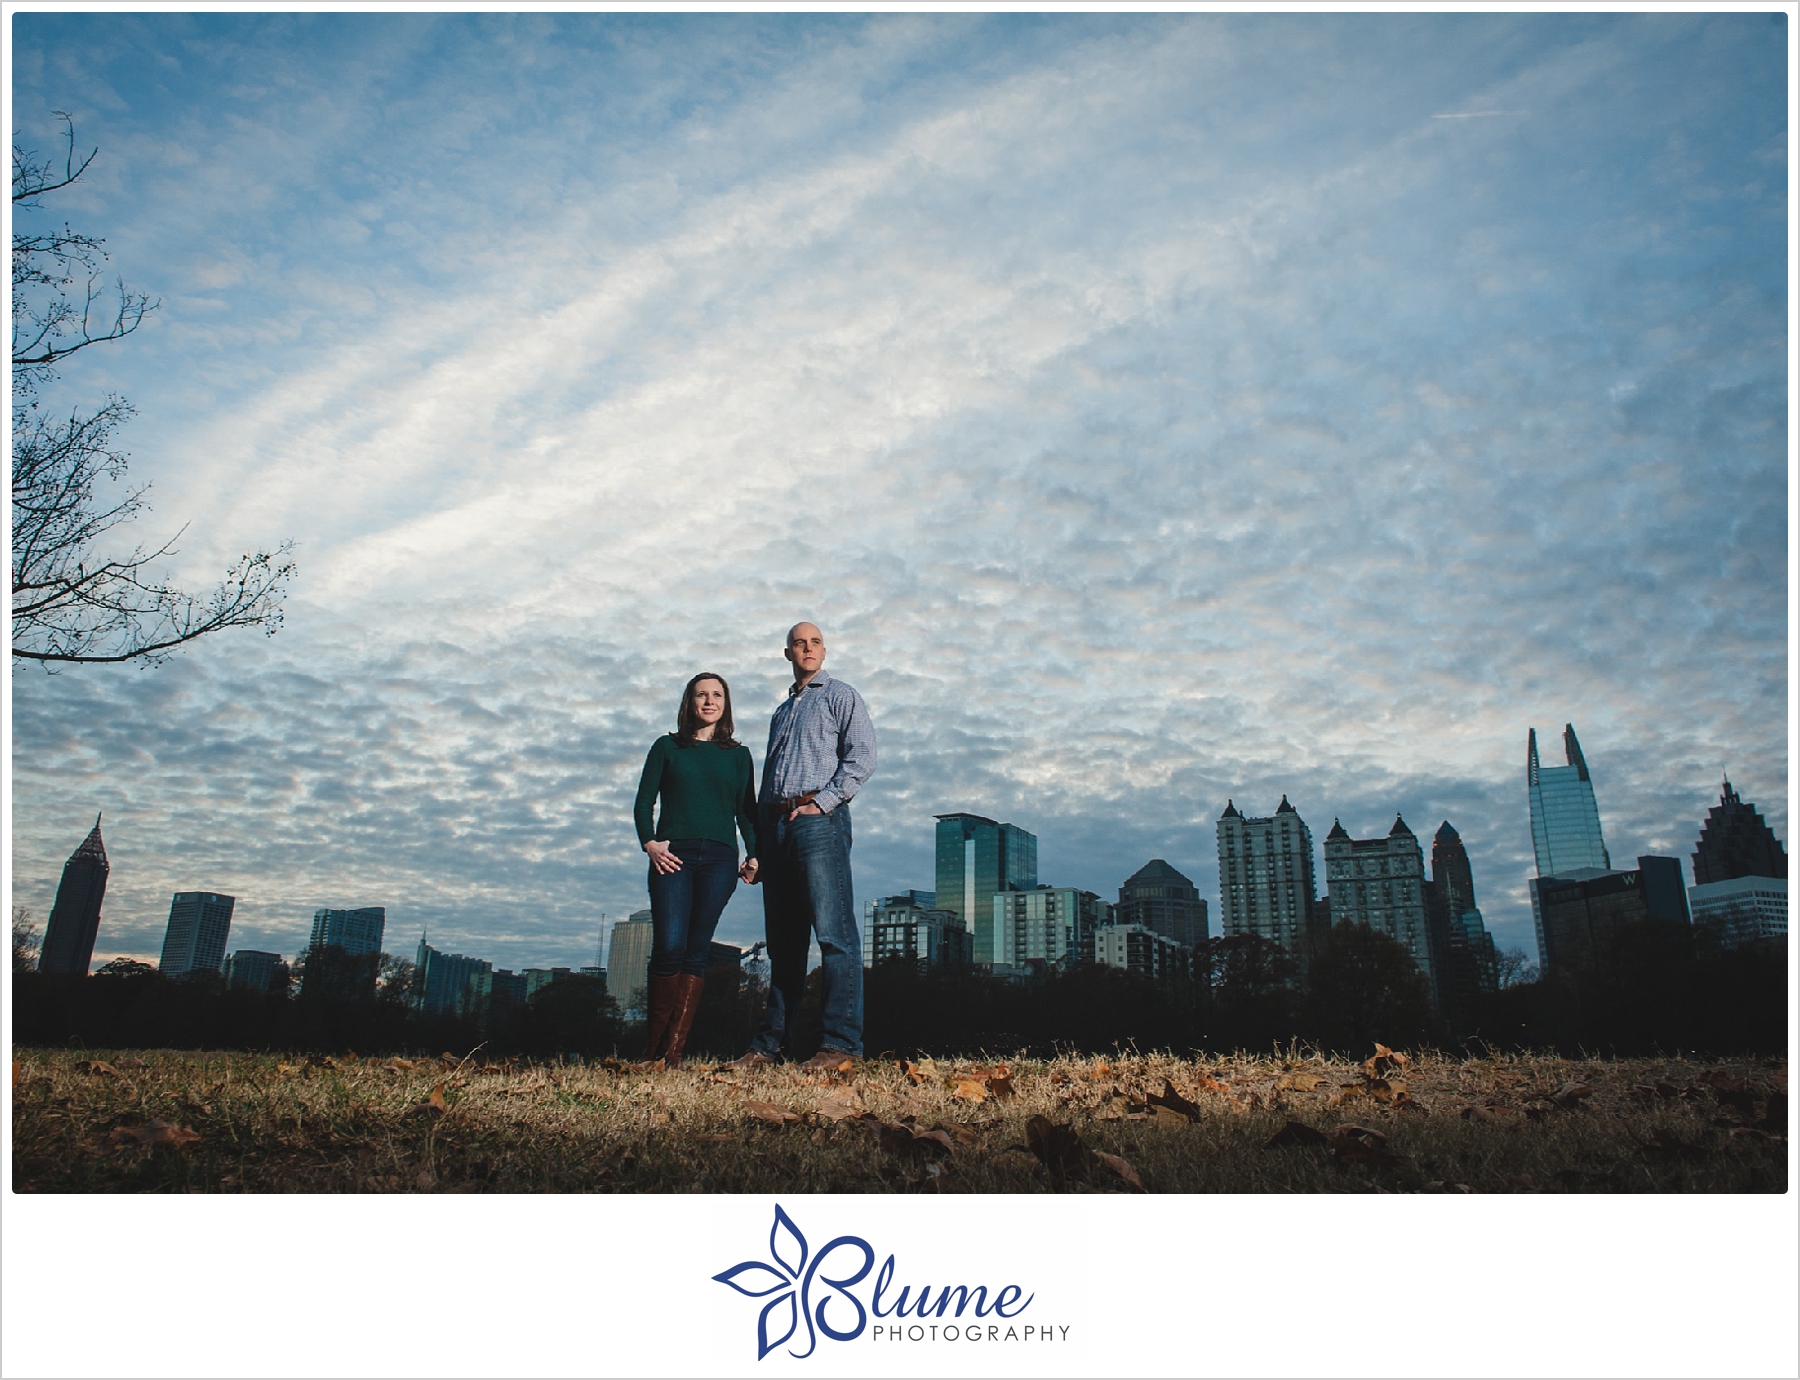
(1565,822)
(977,857)
(628,963)
(441,977)
(1047,925)
(75,918)
(199,924)
(256,970)
(353,931)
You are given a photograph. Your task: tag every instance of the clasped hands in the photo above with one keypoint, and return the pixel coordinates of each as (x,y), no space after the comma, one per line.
(666,862)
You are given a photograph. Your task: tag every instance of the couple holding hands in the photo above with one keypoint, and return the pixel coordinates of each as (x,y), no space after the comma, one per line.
(796,836)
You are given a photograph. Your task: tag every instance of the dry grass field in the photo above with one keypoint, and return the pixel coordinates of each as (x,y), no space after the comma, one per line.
(162,1121)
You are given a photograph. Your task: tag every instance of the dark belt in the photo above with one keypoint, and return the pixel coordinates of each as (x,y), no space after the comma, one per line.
(792,803)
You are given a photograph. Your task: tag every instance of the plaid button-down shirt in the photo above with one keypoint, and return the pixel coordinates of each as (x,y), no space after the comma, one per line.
(820,739)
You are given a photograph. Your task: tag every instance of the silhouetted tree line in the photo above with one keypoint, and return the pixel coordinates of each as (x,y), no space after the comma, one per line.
(1661,988)
(1664,988)
(336,1003)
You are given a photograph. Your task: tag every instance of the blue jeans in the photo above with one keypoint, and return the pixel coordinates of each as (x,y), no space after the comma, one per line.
(806,890)
(685,905)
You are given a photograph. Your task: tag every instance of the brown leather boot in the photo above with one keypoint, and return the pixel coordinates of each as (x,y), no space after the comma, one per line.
(687,1001)
(662,1008)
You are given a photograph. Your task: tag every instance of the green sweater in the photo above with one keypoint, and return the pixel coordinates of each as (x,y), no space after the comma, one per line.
(703,789)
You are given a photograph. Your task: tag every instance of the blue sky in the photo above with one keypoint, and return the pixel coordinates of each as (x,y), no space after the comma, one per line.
(1151,410)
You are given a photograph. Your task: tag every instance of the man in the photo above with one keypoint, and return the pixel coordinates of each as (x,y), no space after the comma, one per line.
(821,750)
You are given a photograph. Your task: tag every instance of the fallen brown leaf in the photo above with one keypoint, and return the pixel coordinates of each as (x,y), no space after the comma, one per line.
(1361,1143)
(1207,1083)
(97,1068)
(768,1111)
(1058,1145)
(1382,1060)
(1722,1081)
(1297,1133)
(898,1138)
(1120,1166)
(1174,1102)
(839,1105)
(156,1132)
(1018,1159)
(1570,1095)
(970,1091)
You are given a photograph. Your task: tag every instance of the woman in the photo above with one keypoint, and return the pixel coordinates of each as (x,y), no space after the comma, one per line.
(704,776)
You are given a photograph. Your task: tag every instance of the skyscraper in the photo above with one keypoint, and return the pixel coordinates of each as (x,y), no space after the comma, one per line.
(353,931)
(1736,842)
(441,977)
(75,918)
(1381,883)
(1266,876)
(1046,925)
(1565,821)
(256,970)
(199,923)
(1468,964)
(977,857)
(1159,898)
(628,962)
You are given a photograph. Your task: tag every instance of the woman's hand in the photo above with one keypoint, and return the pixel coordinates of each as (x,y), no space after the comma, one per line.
(748,871)
(661,858)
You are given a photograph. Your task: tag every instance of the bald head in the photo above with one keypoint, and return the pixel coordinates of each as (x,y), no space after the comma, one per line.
(805,650)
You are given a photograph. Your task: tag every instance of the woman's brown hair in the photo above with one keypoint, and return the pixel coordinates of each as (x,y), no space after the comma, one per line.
(686,721)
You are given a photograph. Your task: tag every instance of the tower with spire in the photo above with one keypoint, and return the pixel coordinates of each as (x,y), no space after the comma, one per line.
(1565,823)
(75,918)
(1266,876)
(1740,875)
(1735,842)
(1469,963)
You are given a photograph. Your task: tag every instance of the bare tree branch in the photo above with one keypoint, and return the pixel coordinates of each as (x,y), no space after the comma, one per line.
(71,603)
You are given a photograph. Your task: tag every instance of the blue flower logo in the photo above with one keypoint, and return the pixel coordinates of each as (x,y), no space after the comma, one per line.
(789,1277)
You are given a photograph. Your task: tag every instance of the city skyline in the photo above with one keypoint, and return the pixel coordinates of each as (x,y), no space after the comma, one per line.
(1446,836)
(1151,410)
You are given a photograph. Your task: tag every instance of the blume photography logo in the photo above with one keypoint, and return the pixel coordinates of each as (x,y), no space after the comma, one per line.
(789,1277)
